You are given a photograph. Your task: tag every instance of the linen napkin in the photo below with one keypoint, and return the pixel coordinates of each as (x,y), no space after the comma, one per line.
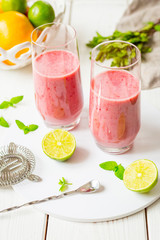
(134,18)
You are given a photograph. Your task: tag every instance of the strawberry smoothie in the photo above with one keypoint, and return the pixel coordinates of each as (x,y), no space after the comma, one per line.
(114,114)
(58,91)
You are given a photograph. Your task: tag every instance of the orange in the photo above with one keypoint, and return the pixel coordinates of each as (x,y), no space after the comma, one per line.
(15,28)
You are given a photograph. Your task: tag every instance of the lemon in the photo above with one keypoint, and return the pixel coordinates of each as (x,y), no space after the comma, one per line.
(141,176)
(14,5)
(59,144)
(41,13)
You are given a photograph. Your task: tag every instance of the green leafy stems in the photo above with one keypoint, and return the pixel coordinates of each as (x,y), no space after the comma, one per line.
(118,53)
(118,169)
(11,103)
(26,129)
(64,184)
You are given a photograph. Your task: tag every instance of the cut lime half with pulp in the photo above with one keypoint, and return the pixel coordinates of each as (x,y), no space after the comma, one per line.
(59,144)
(141,176)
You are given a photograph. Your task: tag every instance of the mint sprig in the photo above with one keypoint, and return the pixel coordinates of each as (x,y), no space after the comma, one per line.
(64,184)
(118,169)
(3,122)
(11,103)
(26,129)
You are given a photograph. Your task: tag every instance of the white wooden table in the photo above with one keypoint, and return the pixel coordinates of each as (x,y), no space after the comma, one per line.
(87,16)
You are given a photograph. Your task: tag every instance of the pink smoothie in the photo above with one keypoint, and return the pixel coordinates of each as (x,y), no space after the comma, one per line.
(58,90)
(114,114)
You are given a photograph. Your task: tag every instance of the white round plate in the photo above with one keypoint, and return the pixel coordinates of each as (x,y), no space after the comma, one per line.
(114,200)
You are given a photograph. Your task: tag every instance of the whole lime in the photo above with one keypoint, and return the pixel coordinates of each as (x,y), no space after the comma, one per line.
(41,12)
(14,5)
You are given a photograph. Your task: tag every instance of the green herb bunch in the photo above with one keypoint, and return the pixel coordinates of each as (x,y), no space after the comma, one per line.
(119,52)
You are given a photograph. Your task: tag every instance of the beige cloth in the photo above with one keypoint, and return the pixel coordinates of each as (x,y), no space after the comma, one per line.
(138,13)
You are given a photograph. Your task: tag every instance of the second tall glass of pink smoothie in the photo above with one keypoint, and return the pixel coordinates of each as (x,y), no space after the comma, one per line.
(114,111)
(56,73)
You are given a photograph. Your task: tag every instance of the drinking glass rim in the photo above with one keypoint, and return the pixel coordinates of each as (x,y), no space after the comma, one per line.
(56,24)
(111,41)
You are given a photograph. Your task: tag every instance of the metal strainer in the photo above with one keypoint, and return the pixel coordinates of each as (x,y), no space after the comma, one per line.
(16,164)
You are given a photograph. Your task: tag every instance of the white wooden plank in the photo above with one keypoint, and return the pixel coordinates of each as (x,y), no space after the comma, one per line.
(153,212)
(25,223)
(153,220)
(130,228)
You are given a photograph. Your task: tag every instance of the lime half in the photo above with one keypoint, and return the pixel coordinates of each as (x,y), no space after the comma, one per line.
(59,144)
(141,176)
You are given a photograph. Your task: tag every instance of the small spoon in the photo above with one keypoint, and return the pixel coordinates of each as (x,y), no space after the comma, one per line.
(89,187)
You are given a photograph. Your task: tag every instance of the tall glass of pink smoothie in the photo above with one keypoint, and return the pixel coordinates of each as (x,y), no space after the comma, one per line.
(114,109)
(56,73)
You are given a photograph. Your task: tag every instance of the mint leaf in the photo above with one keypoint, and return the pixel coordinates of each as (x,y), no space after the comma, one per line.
(4,105)
(119,171)
(110,165)
(64,184)
(3,122)
(32,127)
(157,27)
(16,100)
(26,129)
(60,182)
(63,188)
(11,103)
(20,124)
(113,166)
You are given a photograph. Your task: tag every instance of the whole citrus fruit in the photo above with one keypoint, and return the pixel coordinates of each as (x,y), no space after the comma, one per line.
(15,28)
(14,5)
(40,13)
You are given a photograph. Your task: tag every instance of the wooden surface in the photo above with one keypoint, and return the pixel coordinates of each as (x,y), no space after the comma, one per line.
(87,16)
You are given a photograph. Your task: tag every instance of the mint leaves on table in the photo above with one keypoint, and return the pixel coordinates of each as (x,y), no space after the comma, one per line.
(25,128)
(11,103)
(113,166)
(120,57)
(3,122)
(64,184)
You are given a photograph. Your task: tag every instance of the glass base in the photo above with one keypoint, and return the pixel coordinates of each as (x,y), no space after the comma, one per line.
(65,127)
(115,150)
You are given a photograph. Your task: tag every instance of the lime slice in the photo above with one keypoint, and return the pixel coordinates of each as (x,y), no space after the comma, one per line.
(141,176)
(59,144)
